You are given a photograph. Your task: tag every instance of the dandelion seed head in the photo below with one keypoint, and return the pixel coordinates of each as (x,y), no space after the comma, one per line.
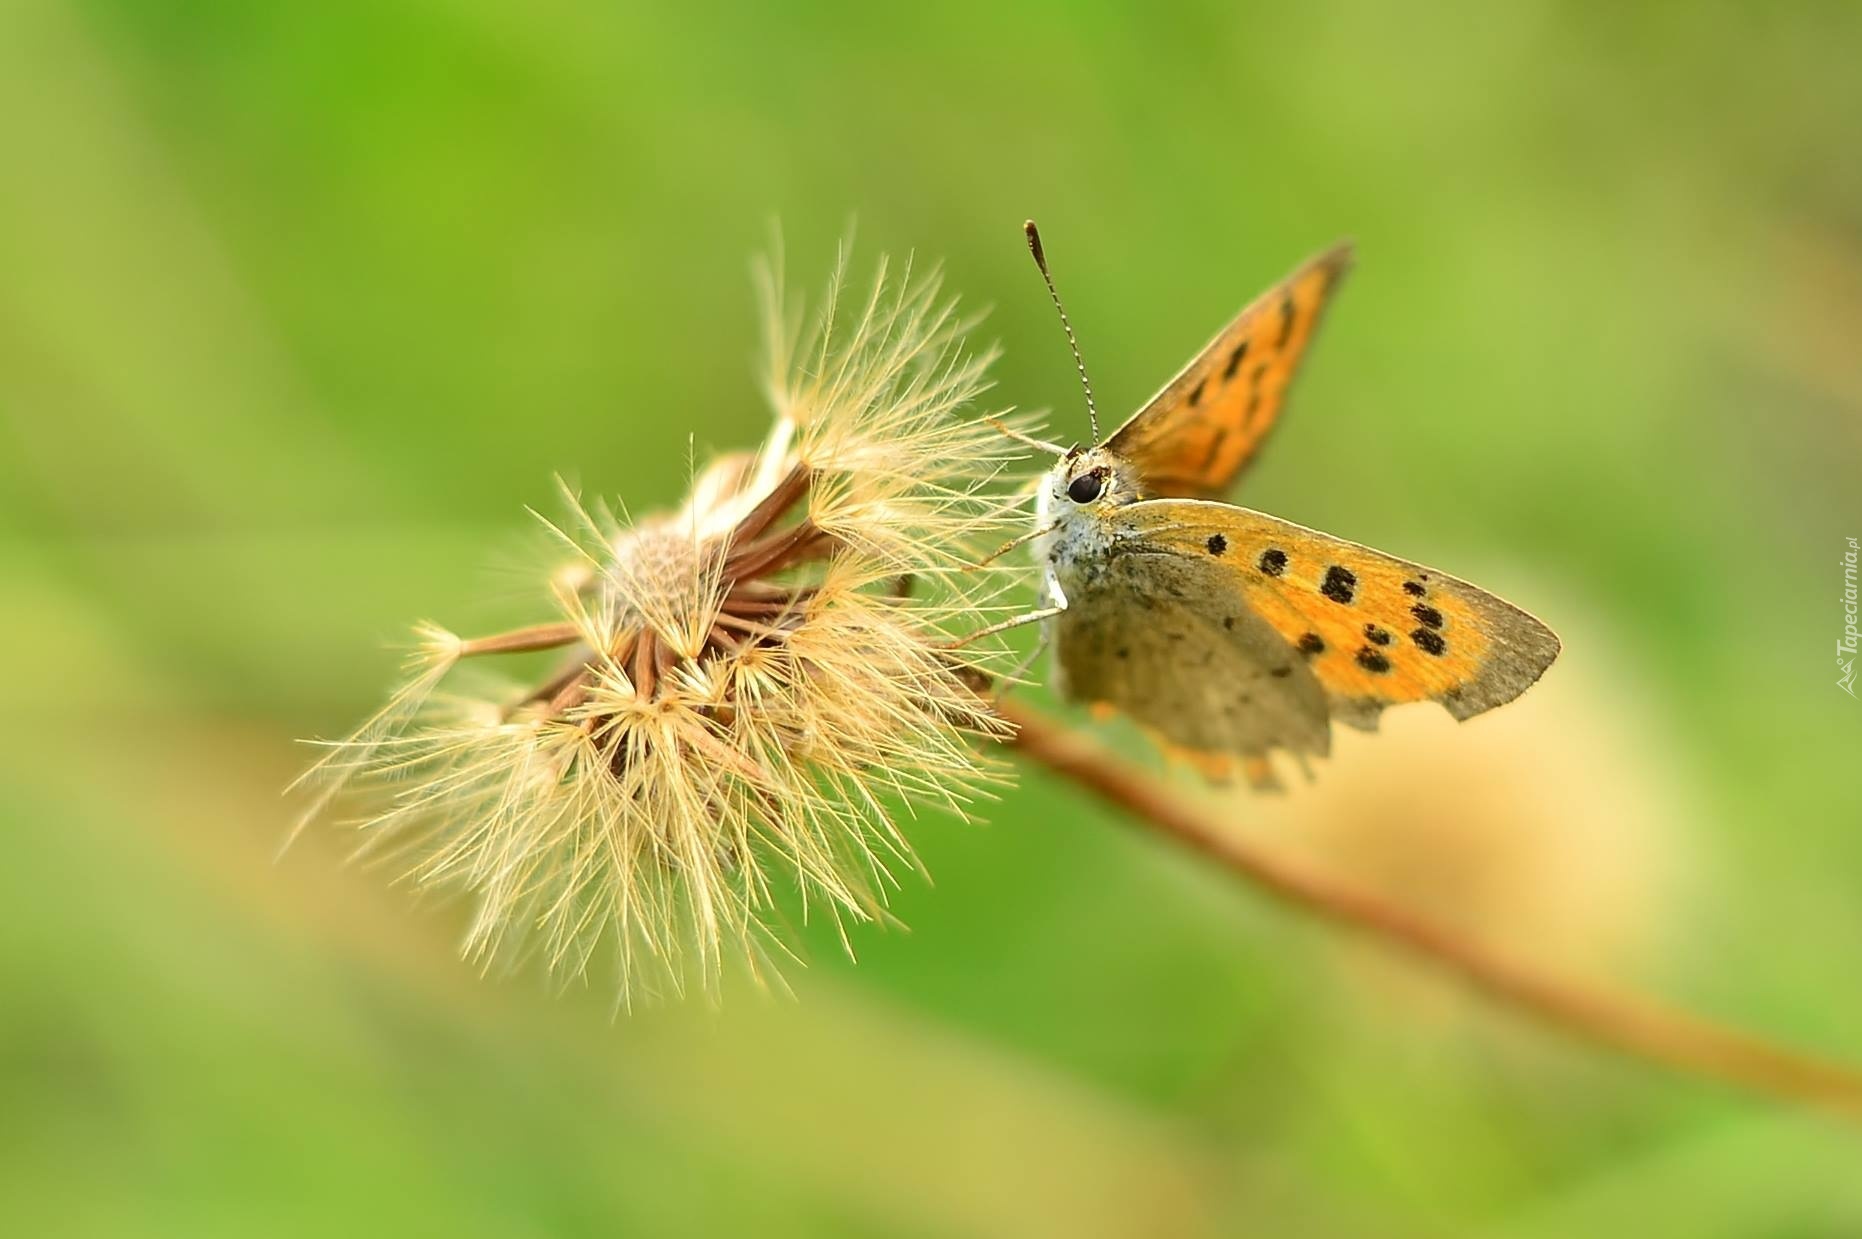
(749,690)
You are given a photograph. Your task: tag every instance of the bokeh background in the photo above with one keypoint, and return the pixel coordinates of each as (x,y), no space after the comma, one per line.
(300,305)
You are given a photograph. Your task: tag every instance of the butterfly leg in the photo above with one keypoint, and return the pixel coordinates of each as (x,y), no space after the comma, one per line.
(1021,668)
(1057,603)
(1029,617)
(1056,596)
(1026,440)
(1006,547)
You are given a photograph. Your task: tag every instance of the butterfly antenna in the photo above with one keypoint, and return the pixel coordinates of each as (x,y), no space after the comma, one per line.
(1040,260)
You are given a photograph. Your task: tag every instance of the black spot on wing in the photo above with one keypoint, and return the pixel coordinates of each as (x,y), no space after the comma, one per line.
(1430,617)
(1215,448)
(1234,361)
(1312,644)
(1429,641)
(1254,392)
(1286,320)
(1260,372)
(1372,661)
(1414,589)
(1273,561)
(1376,635)
(1196,392)
(1217,544)
(1339,585)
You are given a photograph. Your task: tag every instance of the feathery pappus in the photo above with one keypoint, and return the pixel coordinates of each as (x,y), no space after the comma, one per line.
(751,690)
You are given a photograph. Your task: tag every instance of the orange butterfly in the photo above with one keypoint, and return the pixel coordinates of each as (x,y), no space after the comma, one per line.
(1230,633)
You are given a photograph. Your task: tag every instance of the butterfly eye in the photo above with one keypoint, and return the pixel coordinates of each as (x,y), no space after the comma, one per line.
(1086,487)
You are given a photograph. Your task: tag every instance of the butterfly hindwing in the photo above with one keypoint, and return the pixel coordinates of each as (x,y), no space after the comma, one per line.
(1166,640)
(1162,639)
(1373,630)
(1195,435)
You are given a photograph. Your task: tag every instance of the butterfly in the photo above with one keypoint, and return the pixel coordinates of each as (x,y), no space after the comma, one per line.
(1228,633)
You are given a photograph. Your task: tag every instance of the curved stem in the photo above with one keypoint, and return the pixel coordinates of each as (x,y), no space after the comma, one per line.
(1625,1022)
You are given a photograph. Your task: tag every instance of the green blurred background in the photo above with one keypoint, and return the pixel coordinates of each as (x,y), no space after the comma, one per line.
(301,304)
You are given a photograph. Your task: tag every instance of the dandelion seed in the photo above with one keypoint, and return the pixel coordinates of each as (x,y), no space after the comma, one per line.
(750,688)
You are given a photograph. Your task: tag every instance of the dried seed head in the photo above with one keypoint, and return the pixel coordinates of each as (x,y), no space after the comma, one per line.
(748,689)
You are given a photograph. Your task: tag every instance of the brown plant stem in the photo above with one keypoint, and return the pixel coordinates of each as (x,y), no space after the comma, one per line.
(1622,1021)
(522,640)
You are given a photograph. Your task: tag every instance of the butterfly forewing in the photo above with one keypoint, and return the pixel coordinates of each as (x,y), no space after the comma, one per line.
(1196,435)
(1374,630)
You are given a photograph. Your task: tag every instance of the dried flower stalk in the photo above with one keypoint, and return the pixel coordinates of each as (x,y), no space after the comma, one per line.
(748,690)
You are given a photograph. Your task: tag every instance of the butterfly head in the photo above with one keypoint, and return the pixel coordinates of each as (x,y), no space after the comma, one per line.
(1091,479)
